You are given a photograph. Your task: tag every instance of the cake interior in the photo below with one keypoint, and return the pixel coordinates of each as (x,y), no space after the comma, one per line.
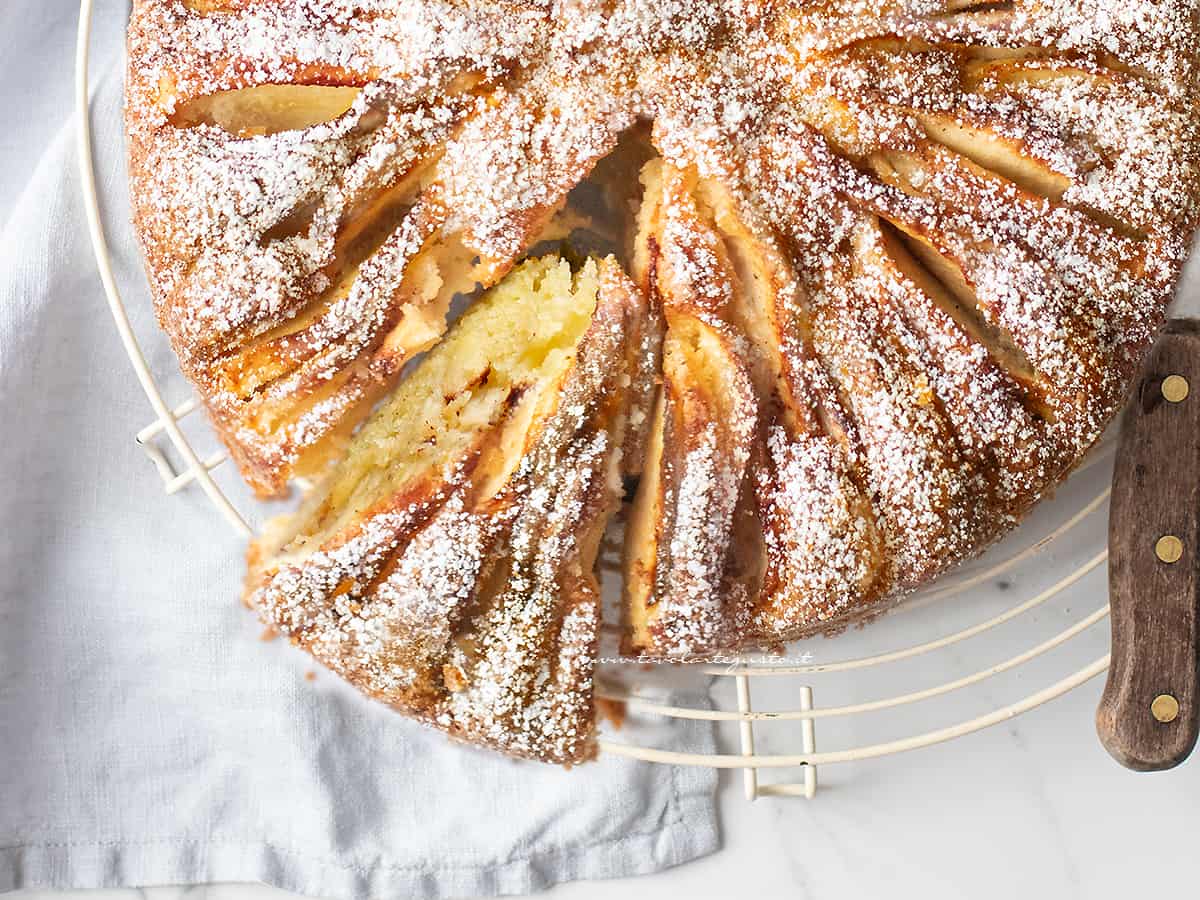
(477,393)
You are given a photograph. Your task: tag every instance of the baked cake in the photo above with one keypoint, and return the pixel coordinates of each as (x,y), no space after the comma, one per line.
(891,270)
(446,565)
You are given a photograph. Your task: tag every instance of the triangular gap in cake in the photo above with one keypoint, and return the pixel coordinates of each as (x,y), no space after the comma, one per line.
(444,270)
(599,216)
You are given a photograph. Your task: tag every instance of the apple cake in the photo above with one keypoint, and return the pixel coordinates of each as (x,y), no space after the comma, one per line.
(823,296)
(446,564)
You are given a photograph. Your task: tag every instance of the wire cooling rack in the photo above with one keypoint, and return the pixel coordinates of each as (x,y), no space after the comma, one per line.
(1066,542)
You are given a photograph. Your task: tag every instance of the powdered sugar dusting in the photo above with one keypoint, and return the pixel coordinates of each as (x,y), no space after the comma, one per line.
(1040,158)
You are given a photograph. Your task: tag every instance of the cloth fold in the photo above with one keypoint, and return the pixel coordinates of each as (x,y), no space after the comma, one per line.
(146,734)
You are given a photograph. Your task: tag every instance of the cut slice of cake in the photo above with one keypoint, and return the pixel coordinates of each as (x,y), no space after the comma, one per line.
(446,565)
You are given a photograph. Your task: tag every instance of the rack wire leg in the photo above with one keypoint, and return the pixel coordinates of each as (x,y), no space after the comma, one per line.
(746,728)
(808,742)
(807,786)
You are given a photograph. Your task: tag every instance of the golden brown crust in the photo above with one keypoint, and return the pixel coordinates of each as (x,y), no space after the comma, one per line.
(909,254)
(297,270)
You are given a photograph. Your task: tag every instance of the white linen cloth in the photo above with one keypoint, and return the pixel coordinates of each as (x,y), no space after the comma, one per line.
(146,735)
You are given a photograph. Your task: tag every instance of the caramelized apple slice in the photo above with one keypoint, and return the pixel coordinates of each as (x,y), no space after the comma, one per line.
(817,558)
(1003,436)
(267,108)
(1061,298)
(680,527)
(1134,165)
(679,531)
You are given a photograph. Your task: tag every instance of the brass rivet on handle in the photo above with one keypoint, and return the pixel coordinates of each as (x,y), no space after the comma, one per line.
(1165,708)
(1169,549)
(1175,388)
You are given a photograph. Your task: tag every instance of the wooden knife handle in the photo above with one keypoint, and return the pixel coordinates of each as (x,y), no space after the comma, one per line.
(1147,717)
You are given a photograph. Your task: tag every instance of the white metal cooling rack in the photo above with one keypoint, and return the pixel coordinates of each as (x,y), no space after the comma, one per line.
(164,435)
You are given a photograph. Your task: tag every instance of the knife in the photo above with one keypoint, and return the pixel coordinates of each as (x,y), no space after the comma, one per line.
(1149,713)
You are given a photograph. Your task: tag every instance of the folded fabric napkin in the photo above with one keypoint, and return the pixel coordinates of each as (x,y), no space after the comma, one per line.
(146,734)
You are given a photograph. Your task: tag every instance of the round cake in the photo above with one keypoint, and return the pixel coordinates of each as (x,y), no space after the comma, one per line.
(818,298)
